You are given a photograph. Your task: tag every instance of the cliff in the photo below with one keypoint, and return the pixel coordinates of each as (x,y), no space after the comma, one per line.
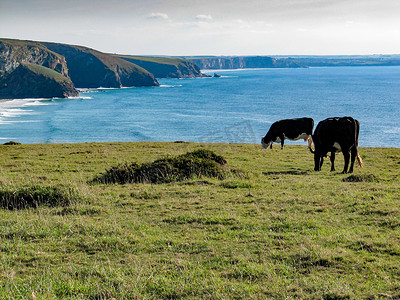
(241,62)
(15,52)
(81,66)
(89,68)
(346,60)
(34,81)
(166,67)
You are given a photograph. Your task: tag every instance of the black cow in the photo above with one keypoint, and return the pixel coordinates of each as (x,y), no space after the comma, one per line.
(335,135)
(292,129)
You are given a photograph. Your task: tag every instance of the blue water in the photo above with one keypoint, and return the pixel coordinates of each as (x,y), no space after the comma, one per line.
(238,107)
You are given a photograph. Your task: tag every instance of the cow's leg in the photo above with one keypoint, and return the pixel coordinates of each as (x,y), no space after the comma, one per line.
(346,156)
(332,161)
(282,140)
(270,145)
(353,158)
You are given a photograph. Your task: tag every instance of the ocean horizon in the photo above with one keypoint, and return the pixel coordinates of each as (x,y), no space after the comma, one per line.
(238,107)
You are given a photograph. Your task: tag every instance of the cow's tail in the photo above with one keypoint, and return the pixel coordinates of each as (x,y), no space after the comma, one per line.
(310,142)
(359,160)
(357,131)
(310,136)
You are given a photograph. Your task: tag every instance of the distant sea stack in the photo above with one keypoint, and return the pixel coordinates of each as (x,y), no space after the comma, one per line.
(241,62)
(89,68)
(33,81)
(166,67)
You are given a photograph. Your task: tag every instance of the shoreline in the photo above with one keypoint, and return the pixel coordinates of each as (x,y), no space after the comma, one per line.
(178,142)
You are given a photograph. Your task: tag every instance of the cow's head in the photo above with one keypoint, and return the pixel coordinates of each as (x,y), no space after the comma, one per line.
(265,143)
(318,159)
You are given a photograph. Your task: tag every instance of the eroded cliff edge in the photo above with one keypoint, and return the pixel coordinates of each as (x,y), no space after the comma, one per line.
(241,62)
(166,67)
(30,80)
(82,67)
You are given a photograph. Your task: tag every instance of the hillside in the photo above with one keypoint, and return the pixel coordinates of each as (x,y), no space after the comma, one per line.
(272,228)
(344,60)
(89,68)
(85,67)
(15,52)
(166,67)
(294,61)
(241,62)
(35,81)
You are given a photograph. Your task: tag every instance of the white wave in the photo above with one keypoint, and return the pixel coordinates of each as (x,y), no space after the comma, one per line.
(14,112)
(37,103)
(99,89)
(394,130)
(24,102)
(170,85)
(2,122)
(105,88)
(14,108)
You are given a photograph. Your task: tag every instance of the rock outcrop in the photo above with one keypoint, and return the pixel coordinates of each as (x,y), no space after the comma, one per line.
(89,68)
(81,66)
(35,81)
(166,67)
(15,52)
(241,62)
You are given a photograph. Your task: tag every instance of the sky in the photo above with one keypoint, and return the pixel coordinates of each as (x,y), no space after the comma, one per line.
(209,27)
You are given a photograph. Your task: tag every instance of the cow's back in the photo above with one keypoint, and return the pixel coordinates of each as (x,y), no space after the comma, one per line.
(325,134)
(344,131)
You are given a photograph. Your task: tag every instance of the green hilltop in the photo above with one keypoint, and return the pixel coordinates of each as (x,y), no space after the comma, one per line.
(269,228)
(166,67)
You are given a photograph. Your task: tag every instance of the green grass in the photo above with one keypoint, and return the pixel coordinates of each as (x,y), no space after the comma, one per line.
(175,168)
(275,229)
(46,72)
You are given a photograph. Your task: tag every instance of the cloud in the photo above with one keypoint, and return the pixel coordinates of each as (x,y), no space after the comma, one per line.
(204,18)
(158,16)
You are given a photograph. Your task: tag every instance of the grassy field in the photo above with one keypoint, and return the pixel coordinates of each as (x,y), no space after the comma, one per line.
(273,228)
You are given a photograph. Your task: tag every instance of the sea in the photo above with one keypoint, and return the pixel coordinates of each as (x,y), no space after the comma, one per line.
(238,107)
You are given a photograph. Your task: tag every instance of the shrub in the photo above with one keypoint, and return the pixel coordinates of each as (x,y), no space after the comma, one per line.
(11,143)
(197,163)
(361,178)
(34,196)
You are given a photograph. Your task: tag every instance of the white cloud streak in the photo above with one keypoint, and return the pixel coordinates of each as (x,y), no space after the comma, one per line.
(204,18)
(158,16)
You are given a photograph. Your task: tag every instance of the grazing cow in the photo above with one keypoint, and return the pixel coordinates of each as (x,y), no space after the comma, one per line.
(335,135)
(292,129)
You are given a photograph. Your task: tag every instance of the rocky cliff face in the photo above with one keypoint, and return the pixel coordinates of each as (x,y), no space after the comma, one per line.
(15,52)
(241,62)
(166,67)
(89,68)
(34,81)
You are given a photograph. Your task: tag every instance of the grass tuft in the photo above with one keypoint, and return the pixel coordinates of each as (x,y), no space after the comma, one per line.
(236,184)
(186,166)
(11,143)
(361,178)
(35,196)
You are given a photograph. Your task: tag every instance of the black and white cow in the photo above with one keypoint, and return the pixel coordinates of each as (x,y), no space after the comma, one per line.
(292,129)
(335,135)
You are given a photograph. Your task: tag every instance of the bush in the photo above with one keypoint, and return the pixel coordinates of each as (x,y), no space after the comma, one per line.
(34,196)
(11,143)
(197,163)
(361,178)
